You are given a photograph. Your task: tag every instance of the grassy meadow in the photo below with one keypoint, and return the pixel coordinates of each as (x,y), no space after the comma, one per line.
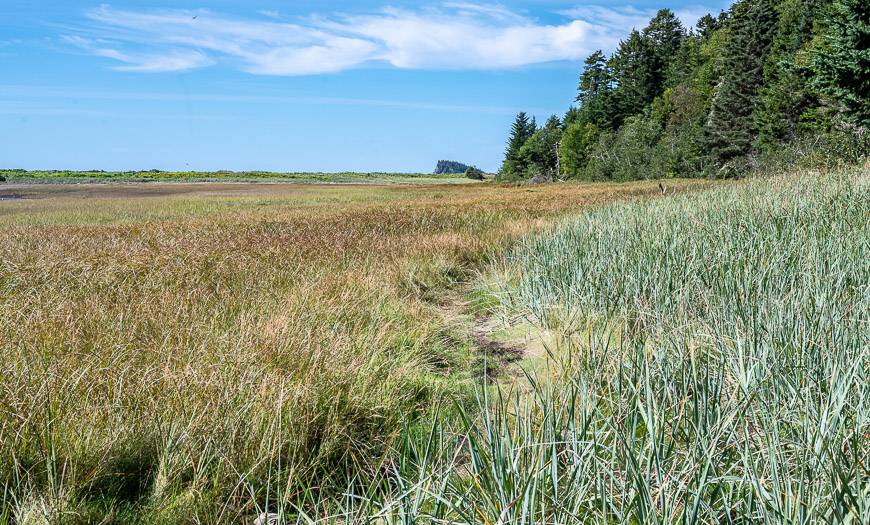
(708,359)
(203,353)
(312,354)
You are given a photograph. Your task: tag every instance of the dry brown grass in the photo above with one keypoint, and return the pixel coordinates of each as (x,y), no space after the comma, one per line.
(187,354)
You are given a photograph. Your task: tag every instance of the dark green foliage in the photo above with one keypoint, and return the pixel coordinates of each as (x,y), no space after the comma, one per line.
(767,83)
(664,37)
(521,131)
(577,143)
(706,25)
(450,166)
(731,129)
(473,173)
(594,93)
(787,106)
(595,78)
(540,153)
(633,68)
(594,81)
(640,66)
(571,116)
(841,60)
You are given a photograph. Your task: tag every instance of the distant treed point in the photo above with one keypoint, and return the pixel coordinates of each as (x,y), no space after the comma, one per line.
(450,166)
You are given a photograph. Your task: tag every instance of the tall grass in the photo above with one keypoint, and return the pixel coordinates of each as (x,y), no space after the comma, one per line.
(710,365)
(725,339)
(200,359)
(707,361)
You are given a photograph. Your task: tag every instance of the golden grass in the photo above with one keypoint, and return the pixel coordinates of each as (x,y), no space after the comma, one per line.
(175,353)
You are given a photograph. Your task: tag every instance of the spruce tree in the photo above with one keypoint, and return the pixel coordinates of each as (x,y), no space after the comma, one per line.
(841,61)
(706,25)
(730,127)
(633,71)
(521,130)
(593,90)
(664,37)
(594,79)
(786,95)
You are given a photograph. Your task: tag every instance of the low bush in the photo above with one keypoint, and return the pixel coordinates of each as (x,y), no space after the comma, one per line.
(474,173)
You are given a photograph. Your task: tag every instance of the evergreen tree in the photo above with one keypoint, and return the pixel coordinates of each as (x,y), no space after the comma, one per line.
(841,60)
(633,72)
(571,116)
(706,25)
(674,103)
(553,124)
(594,79)
(539,155)
(685,62)
(593,90)
(730,126)
(664,37)
(521,130)
(450,166)
(786,95)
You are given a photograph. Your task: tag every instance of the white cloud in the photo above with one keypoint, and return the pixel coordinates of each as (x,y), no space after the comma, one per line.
(170,60)
(628,17)
(452,35)
(334,54)
(466,38)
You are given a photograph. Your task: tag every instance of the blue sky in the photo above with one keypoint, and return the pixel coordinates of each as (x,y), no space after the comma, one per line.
(297,85)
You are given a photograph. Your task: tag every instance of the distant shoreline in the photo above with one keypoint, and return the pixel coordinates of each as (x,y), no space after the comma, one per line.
(34,177)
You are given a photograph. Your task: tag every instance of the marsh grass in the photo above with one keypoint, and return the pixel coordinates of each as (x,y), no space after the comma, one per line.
(712,368)
(205,358)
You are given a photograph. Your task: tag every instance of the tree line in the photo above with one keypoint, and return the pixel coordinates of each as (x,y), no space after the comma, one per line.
(766,82)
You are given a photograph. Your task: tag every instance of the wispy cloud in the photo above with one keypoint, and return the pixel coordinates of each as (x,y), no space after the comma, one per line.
(628,17)
(17,93)
(451,35)
(168,60)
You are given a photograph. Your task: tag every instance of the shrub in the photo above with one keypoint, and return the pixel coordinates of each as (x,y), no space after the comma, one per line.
(536,175)
(474,173)
(577,142)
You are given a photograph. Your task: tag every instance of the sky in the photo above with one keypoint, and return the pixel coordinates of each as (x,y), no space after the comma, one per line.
(292,85)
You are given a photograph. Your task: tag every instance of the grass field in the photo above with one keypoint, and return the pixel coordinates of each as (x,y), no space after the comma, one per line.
(706,360)
(206,353)
(198,353)
(709,359)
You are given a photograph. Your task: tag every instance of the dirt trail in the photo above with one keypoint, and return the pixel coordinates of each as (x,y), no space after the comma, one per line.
(499,357)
